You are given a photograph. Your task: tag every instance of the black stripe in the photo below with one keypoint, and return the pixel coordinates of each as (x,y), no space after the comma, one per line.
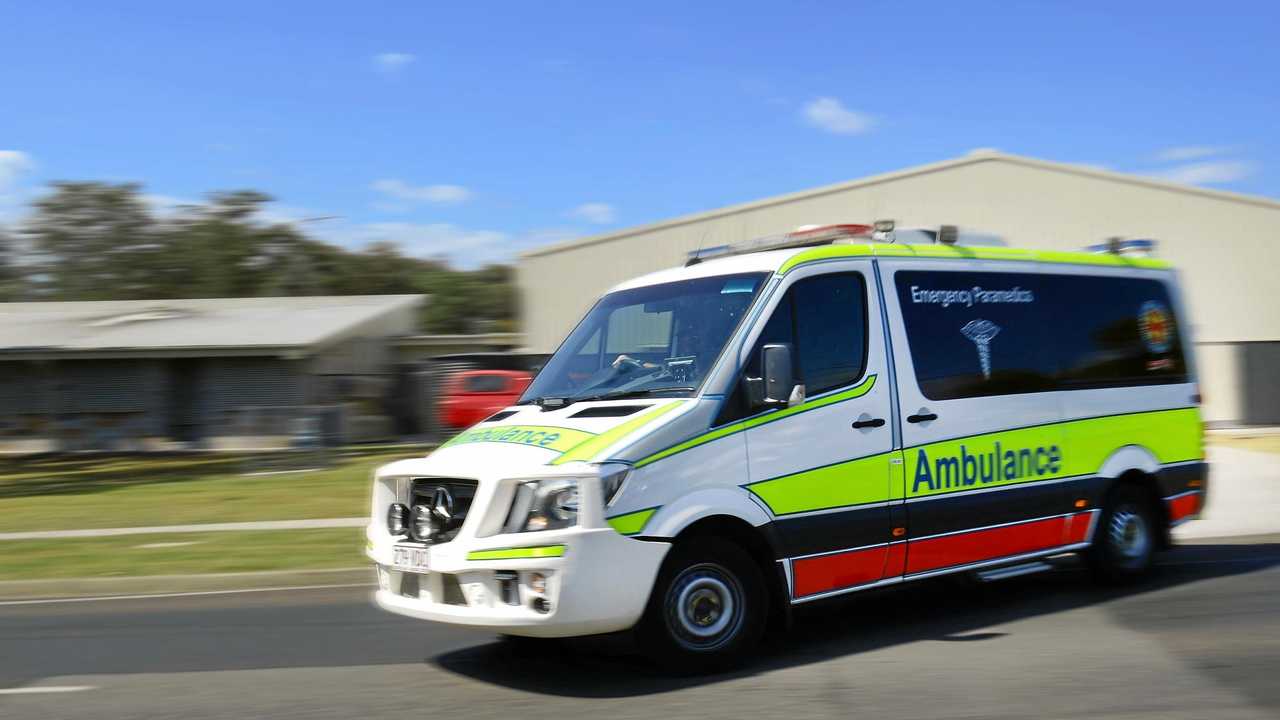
(1178,479)
(825,532)
(975,510)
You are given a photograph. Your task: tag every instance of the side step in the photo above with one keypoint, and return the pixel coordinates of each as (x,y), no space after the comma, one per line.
(1009,571)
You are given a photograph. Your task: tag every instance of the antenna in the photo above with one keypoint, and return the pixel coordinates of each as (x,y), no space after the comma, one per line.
(693,257)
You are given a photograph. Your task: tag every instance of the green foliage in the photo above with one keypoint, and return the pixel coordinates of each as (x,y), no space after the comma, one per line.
(102,241)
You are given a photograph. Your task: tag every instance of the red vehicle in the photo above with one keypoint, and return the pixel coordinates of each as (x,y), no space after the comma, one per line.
(473,395)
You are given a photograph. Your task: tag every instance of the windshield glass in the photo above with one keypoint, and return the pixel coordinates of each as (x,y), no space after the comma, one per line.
(660,339)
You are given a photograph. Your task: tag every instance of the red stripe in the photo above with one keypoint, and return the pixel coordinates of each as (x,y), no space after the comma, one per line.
(896,562)
(1077,528)
(970,547)
(838,570)
(1183,506)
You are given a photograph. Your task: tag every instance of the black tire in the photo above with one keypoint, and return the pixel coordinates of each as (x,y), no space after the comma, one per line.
(708,608)
(1124,543)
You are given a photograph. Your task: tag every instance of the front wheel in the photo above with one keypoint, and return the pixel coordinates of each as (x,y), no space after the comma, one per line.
(1125,541)
(707,610)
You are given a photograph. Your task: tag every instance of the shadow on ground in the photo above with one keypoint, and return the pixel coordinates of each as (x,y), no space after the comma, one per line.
(949,609)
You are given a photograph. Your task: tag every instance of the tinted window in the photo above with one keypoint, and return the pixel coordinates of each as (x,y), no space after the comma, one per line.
(975,334)
(830,330)
(1114,332)
(825,320)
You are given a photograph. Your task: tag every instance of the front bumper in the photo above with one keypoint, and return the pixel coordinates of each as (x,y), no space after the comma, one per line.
(596,581)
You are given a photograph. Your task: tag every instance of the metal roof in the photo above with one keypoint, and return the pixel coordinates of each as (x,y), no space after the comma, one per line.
(976,156)
(240,326)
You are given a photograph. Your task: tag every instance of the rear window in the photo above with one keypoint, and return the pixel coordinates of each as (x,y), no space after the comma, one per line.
(1113,332)
(484,383)
(981,334)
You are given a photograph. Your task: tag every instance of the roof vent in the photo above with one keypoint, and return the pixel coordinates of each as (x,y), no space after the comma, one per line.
(145,315)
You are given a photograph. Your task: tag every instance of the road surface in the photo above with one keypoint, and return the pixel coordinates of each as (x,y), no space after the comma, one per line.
(1201,640)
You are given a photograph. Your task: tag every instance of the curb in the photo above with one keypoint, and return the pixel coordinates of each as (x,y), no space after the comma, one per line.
(158,584)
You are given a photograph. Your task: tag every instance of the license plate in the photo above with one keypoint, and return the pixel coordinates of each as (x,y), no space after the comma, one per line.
(411,558)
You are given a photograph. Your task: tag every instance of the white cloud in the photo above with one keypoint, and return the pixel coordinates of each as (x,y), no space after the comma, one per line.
(436,194)
(462,247)
(1183,153)
(596,213)
(827,113)
(13,163)
(1208,173)
(390,62)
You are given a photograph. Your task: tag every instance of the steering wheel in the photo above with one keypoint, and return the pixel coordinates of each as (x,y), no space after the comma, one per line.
(625,365)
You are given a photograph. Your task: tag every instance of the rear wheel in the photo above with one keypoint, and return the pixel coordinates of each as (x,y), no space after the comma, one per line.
(707,610)
(1124,542)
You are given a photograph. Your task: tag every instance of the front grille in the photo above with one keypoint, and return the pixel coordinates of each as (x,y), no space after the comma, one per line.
(460,493)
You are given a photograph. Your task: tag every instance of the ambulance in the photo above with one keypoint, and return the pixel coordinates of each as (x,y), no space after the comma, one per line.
(800,417)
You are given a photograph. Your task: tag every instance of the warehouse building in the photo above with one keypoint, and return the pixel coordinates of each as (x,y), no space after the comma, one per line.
(1226,246)
(215,373)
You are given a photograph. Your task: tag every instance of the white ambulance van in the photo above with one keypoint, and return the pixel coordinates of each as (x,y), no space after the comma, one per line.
(838,409)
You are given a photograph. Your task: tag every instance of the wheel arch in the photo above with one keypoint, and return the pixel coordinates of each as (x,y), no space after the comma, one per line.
(1137,466)
(761,544)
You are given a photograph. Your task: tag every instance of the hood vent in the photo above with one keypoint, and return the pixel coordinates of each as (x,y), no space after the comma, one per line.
(602,411)
(500,416)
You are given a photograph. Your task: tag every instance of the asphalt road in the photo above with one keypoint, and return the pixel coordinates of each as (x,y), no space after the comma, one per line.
(1200,640)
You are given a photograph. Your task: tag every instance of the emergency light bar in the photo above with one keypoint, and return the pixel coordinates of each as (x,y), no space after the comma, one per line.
(803,236)
(1118,246)
(809,235)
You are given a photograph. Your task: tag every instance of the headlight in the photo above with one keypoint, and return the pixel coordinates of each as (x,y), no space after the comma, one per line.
(549,504)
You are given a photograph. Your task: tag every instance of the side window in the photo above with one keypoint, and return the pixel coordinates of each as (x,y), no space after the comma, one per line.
(974,334)
(825,320)
(830,330)
(1113,332)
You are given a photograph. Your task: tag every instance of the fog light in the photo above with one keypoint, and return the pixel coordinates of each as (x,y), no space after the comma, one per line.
(397,519)
(538,582)
(541,605)
(422,522)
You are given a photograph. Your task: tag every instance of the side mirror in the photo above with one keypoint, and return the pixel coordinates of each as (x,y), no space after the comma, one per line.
(780,387)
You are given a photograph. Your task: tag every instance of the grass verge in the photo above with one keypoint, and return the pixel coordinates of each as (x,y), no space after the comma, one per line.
(181,554)
(136,491)
(1257,443)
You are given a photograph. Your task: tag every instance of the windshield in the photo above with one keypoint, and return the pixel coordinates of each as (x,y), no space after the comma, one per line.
(660,339)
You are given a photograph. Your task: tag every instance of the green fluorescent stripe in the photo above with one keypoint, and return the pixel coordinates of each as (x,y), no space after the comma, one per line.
(853,482)
(541,551)
(592,446)
(858,390)
(1171,435)
(632,523)
(556,439)
(961,252)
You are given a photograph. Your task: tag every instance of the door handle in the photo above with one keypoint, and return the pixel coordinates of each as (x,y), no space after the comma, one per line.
(868,423)
(922,417)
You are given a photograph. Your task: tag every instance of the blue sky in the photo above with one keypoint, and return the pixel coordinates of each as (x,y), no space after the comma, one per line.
(475,130)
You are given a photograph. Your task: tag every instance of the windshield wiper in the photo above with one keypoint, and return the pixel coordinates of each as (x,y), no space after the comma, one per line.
(626,394)
(553,402)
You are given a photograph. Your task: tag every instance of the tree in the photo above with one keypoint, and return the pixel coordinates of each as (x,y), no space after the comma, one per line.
(99,239)
(12,278)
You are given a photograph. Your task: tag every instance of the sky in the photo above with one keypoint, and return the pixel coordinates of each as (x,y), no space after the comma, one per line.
(472,131)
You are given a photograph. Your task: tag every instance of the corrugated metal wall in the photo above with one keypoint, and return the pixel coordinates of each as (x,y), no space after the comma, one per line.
(1227,250)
